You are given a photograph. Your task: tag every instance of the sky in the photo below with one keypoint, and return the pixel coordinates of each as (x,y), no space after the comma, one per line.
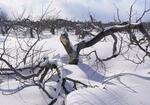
(102,10)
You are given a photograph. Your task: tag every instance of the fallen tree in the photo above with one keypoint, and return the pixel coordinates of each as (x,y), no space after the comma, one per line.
(73,51)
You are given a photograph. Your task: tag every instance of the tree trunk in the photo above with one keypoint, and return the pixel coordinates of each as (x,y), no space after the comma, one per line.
(31,33)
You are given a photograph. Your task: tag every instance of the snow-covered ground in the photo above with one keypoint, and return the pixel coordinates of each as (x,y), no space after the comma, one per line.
(122,83)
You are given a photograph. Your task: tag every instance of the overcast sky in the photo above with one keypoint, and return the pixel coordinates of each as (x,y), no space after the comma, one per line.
(103,10)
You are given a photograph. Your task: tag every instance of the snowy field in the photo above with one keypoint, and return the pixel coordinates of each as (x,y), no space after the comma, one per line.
(120,83)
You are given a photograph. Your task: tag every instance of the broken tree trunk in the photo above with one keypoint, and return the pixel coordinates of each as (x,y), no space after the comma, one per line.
(73,53)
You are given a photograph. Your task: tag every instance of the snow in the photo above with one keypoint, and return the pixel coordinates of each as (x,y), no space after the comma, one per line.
(122,83)
(28,96)
(133,91)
